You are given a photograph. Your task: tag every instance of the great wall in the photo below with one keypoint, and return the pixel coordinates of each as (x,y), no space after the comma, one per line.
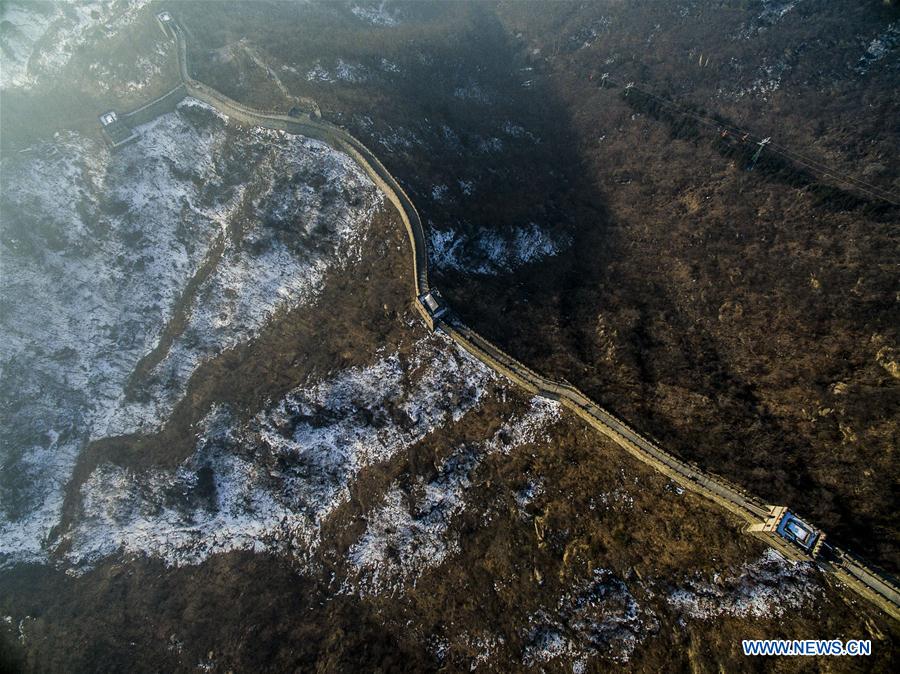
(775,525)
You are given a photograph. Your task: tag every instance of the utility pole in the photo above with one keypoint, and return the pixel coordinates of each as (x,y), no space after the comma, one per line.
(762,144)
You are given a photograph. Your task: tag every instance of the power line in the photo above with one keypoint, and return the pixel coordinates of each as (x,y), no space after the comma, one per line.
(781,150)
(812,164)
(875,191)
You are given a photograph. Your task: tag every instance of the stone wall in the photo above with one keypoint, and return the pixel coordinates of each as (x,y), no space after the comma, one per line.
(153,109)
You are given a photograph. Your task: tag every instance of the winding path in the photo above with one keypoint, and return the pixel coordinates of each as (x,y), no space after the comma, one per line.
(871,584)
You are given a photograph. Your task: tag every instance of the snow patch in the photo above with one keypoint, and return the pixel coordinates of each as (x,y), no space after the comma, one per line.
(771,12)
(774,10)
(400,137)
(341,72)
(526,496)
(474,92)
(439,192)
(490,252)
(268,485)
(484,645)
(401,540)
(766,588)
(490,145)
(377,16)
(517,131)
(598,618)
(879,47)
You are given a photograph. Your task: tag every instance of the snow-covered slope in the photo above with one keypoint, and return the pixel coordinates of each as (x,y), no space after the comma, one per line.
(269,485)
(97,251)
(39,38)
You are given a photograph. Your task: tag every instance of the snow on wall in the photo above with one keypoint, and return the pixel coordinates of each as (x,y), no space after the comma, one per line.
(401,542)
(270,485)
(97,249)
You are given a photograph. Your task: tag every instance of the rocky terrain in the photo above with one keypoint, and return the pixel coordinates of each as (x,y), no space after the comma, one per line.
(228,444)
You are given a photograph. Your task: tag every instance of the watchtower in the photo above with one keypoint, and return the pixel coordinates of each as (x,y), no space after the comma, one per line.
(785,524)
(115,132)
(430,305)
(165,23)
